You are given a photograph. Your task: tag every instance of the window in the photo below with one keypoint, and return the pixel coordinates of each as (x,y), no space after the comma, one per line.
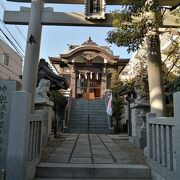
(5,59)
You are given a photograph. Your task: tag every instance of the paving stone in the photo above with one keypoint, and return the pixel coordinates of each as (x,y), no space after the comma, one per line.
(63,150)
(96,142)
(101,156)
(60,155)
(83,147)
(99,151)
(67,146)
(83,155)
(115,149)
(97,146)
(81,160)
(111,145)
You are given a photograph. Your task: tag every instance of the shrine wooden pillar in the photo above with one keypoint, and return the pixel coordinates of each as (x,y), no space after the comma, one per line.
(103,84)
(73,81)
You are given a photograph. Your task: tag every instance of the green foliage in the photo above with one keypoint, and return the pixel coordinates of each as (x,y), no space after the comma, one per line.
(115,82)
(132,23)
(58,99)
(117,102)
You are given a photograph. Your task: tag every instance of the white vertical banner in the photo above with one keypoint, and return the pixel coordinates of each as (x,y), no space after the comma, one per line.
(109,106)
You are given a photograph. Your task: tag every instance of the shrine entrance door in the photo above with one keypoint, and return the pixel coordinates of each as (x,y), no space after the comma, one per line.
(88,85)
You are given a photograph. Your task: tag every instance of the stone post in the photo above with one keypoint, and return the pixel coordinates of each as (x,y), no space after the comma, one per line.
(45,108)
(148,151)
(32,49)
(176,98)
(154,66)
(17,153)
(155,76)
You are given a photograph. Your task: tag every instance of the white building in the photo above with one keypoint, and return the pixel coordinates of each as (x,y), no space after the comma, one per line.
(10,62)
(169,39)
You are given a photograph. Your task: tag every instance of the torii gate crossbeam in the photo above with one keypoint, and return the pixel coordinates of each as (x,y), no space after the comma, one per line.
(49,17)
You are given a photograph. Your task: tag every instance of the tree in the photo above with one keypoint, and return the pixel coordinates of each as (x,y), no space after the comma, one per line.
(59,106)
(138,24)
(117,102)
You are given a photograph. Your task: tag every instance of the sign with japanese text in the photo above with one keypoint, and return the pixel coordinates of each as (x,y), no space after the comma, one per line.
(6,89)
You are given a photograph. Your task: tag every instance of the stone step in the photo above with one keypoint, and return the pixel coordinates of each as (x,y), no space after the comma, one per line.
(91,131)
(86,125)
(89,110)
(101,171)
(81,114)
(88,103)
(81,120)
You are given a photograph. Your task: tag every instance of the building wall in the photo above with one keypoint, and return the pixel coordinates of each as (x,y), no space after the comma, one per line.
(11,68)
(168,39)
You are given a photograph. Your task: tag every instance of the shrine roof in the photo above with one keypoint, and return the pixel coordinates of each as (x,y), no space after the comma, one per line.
(90,47)
(57,82)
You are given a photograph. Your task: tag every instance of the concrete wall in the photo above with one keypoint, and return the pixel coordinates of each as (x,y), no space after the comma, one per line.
(14,69)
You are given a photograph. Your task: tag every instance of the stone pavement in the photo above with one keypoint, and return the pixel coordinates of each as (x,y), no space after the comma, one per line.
(89,149)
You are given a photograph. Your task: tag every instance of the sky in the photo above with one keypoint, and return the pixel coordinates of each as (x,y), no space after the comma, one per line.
(55,39)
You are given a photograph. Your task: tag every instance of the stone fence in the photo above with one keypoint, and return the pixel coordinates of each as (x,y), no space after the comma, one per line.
(20,134)
(35,144)
(163,144)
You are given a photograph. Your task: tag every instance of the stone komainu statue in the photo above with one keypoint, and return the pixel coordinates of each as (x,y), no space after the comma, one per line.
(42,91)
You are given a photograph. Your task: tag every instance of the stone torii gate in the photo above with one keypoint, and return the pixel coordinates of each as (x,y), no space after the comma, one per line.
(37,15)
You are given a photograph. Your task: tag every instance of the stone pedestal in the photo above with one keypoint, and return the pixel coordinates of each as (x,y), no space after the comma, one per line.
(44,106)
(138,120)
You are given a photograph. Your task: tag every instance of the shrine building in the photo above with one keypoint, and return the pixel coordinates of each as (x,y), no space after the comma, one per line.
(88,68)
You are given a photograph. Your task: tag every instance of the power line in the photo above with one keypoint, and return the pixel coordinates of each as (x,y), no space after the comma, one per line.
(2,4)
(12,35)
(4,7)
(14,46)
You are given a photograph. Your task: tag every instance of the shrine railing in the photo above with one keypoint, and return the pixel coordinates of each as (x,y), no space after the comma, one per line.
(163,145)
(35,143)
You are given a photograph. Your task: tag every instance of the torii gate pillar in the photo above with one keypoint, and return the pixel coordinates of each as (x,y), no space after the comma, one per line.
(32,49)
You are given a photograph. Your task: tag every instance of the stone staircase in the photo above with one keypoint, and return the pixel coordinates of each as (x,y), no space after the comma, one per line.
(88,116)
